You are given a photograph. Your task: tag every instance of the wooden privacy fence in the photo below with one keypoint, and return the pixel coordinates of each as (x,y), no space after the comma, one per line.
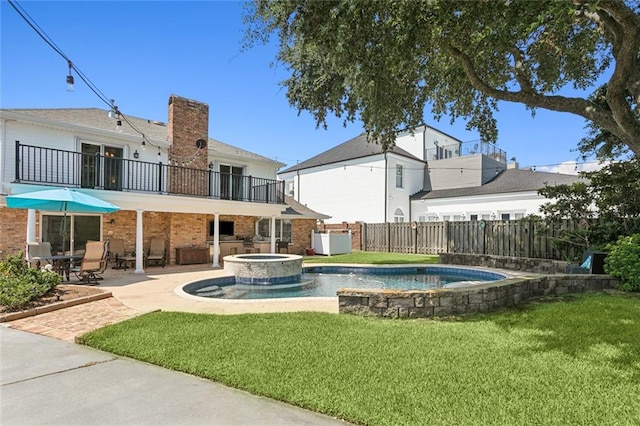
(516,238)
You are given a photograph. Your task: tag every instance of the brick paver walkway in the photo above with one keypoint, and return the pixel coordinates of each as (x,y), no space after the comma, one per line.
(69,323)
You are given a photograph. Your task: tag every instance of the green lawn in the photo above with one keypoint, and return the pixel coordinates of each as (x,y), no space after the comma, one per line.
(369,257)
(570,361)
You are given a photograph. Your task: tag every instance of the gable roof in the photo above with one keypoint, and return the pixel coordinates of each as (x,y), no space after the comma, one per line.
(156,131)
(357,147)
(298,210)
(512,180)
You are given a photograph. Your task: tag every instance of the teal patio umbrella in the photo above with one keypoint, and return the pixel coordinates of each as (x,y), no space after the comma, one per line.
(60,200)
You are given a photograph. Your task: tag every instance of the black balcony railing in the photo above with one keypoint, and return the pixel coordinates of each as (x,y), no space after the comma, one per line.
(56,167)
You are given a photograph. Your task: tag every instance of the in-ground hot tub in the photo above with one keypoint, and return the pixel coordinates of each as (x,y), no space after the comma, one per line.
(264,268)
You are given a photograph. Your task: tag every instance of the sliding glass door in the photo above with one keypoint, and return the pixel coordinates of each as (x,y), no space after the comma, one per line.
(70,235)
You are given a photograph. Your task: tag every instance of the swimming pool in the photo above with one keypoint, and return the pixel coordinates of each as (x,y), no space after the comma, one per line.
(324,281)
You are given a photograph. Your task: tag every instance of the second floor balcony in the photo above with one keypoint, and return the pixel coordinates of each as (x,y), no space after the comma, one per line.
(48,166)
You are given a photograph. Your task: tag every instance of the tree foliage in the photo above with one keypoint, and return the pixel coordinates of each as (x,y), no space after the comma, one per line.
(383,61)
(611,195)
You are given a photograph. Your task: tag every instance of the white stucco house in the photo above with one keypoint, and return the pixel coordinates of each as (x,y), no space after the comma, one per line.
(427,176)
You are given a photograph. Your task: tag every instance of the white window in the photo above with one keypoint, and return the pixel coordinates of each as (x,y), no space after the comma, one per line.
(399,176)
(422,218)
(398,216)
(283,229)
(432,218)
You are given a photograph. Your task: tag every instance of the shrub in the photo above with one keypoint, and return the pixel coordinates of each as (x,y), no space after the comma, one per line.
(623,262)
(20,284)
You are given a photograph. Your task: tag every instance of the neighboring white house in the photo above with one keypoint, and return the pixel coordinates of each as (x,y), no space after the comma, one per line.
(512,194)
(356,181)
(427,176)
(190,189)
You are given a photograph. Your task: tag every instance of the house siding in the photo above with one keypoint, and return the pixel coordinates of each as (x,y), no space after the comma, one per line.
(348,191)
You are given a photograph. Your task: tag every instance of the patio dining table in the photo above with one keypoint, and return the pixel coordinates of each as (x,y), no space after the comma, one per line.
(62,264)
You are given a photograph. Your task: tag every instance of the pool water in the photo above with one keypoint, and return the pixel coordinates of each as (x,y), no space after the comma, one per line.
(325,282)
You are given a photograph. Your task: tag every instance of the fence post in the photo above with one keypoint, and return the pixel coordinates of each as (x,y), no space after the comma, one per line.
(387,228)
(447,234)
(363,236)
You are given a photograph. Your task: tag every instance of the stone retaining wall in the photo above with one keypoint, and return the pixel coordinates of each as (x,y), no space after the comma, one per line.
(466,300)
(538,266)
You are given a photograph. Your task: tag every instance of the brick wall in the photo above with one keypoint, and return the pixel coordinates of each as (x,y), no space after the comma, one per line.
(13,231)
(301,238)
(188,123)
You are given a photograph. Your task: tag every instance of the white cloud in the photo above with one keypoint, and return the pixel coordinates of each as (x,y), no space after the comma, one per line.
(571,167)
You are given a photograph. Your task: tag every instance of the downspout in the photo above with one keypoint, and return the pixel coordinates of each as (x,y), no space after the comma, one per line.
(3,146)
(386,178)
(297,188)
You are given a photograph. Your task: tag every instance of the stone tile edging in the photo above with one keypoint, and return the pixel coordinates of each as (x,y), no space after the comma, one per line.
(12,316)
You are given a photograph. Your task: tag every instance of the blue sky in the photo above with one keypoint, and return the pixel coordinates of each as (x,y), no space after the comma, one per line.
(140,52)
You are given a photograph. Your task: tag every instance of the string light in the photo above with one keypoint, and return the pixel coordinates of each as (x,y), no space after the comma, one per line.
(70,83)
(112,110)
(119,124)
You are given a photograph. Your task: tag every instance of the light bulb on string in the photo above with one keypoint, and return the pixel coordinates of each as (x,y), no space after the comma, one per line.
(70,83)
(119,124)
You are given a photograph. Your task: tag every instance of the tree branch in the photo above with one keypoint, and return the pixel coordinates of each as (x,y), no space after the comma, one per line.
(603,117)
(625,71)
(523,77)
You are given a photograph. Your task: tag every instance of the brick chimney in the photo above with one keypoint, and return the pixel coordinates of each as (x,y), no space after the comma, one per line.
(188,130)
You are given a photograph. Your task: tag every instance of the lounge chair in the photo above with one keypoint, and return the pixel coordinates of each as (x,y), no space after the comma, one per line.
(157,252)
(94,262)
(118,255)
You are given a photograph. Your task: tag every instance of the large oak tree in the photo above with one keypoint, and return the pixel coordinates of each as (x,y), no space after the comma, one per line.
(383,61)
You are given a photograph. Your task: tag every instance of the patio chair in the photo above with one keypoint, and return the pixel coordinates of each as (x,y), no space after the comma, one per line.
(118,255)
(94,262)
(37,253)
(283,245)
(157,252)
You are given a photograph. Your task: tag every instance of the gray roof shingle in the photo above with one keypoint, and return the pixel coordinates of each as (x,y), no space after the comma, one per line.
(357,147)
(512,180)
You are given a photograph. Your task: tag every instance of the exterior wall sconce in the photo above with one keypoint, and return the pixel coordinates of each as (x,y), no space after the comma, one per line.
(211,165)
(112,222)
(135,154)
